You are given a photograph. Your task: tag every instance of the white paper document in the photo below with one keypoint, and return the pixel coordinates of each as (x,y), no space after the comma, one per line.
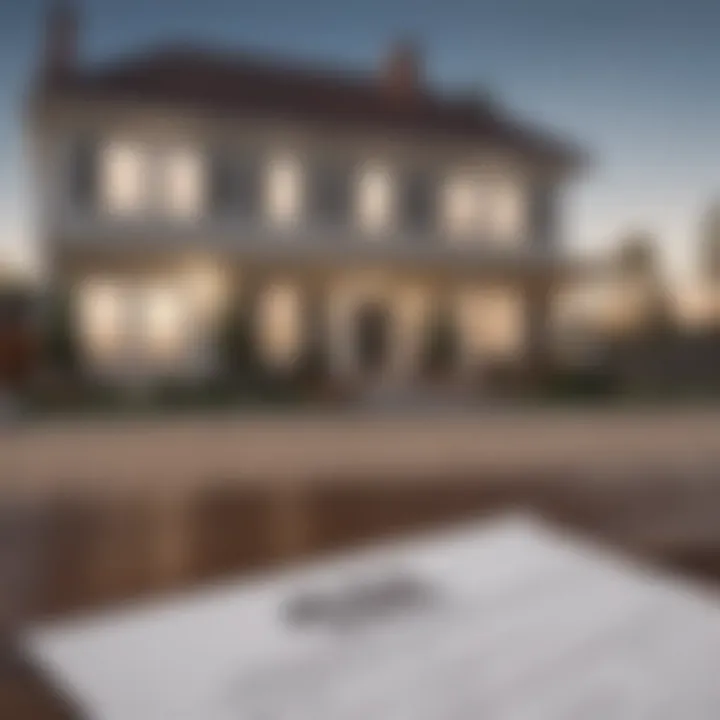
(506,620)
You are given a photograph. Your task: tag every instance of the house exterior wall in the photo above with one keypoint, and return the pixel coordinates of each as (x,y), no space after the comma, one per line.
(166,321)
(484,276)
(451,164)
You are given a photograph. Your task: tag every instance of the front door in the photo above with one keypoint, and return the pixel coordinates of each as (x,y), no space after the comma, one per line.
(372,337)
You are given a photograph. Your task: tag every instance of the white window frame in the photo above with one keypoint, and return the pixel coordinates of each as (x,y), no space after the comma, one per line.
(375,198)
(124,178)
(284,191)
(495,206)
(183,182)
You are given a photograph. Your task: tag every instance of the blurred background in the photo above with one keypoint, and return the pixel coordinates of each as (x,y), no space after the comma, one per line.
(284,279)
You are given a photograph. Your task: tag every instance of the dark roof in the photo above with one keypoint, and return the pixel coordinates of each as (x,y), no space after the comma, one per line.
(243,85)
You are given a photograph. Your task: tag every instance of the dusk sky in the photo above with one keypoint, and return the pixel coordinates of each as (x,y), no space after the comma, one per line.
(635,82)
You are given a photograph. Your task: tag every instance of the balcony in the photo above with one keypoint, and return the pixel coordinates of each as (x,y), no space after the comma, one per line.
(304,241)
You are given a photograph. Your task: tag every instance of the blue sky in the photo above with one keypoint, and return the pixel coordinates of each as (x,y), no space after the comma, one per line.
(634,81)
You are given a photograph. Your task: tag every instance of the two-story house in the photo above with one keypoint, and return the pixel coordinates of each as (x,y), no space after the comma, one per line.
(355,211)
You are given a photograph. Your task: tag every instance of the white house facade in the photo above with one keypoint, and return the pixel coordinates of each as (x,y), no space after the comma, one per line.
(353,212)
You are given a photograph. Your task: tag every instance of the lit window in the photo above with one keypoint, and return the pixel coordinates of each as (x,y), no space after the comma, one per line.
(284,190)
(165,328)
(124,178)
(486,206)
(375,198)
(280,324)
(505,208)
(183,184)
(103,317)
(493,322)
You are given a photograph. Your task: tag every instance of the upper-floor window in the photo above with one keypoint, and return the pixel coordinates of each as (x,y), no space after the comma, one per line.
(330,193)
(182,183)
(375,198)
(125,188)
(283,189)
(235,184)
(461,205)
(136,179)
(128,178)
(486,206)
(505,208)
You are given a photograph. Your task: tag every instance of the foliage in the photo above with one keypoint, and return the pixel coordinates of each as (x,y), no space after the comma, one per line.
(637,256)
(60,347)
(590,384)
(237,352)
(710,244)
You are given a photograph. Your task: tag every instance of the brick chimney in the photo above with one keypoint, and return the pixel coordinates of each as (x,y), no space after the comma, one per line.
(402,72)
(61,39)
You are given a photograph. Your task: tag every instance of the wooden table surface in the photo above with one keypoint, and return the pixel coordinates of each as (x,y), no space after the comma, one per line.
(102,455)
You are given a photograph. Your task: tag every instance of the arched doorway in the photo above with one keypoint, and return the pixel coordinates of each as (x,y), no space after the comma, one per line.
(372,337)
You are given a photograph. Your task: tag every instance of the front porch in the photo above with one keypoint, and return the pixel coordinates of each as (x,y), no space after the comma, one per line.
(361,325)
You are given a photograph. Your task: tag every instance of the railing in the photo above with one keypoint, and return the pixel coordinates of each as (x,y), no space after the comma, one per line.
(257,236)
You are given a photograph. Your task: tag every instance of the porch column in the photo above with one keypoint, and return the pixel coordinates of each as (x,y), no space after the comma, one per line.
(408,332)
(468,320)
(341,341)
(538,302)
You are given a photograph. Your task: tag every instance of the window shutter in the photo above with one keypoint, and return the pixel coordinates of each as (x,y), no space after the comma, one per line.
(331,194)
(419,202)
(84,173)
(234,184)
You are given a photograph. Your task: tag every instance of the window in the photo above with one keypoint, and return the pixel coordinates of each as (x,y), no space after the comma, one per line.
(284,190)
(124,178)
(165,325)
(182,184)
(485,205)
(505,208)
(418,202)
(330,194)
(103,320)
(280,325)
(493,322)
(135,325)
(375,198)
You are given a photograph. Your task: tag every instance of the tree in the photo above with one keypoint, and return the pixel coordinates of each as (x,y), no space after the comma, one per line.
(710,244)
(638,272)
(710,257)
(18,337)
(236,348)
(61,348)
(637,258)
